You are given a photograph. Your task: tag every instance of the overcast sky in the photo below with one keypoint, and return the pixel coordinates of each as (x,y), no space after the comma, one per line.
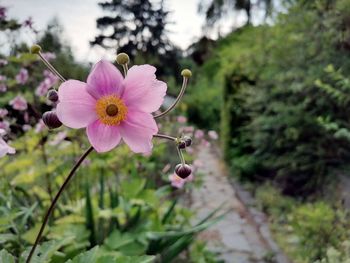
(78,18)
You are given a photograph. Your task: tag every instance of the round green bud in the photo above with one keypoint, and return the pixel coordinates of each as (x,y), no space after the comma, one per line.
(35,49)
(122,59)
(186,73)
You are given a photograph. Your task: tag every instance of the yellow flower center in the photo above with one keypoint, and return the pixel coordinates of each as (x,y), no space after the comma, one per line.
(111,110)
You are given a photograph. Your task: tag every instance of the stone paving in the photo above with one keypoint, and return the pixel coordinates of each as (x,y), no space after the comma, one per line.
(243,235)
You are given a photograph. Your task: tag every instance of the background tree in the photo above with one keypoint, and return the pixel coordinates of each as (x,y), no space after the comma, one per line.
(215,10)
(138,27)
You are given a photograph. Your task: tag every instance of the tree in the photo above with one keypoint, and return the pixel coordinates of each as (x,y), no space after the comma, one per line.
(217,9)
(135,26)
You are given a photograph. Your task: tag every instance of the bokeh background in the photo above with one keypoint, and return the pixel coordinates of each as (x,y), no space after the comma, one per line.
(269,97)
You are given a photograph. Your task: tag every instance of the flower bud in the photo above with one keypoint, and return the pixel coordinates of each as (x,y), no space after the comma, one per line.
(122,59)
(35,49)
(181,144)
(51,120)
(186,73)
(188,141)
(183,170)
(52,95)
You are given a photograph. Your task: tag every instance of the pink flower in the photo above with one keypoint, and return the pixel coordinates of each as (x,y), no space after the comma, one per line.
(3,113)
(46,84)
(181,119)
(188,129)
(3,62)
(19,103)
(58,138)
(3,11)
(176,181)
(205,143)
(22,76)
(213,135)
(40,126)
(112,107)
(199,134)
(4,125)
(4,147)
(3,87)
(49,56)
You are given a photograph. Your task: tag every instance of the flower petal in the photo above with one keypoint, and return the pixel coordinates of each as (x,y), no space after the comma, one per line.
(104,79)
(76,107)
(142,91)
(103,137)
(137,131)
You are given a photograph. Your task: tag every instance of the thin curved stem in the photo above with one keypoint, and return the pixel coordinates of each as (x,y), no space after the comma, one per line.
(163,136)
(179,97)
(181,156)
(53,204)
(50,67)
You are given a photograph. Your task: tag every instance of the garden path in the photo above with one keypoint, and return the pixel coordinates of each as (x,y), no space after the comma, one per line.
(243,235)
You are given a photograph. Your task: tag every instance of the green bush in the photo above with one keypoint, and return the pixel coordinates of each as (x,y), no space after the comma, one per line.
(279,93)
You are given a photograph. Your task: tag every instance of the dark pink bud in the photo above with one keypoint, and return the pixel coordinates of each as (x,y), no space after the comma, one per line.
(51,120)
(183,170)
(182,144)
(188,141)
(52,95)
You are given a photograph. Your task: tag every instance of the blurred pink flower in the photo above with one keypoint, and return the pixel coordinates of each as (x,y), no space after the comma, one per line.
(26,127)
(199,134)
(176,181)
(181,119)
(47,83)
(3,11)
(188,129)
(3,62)
(3,87)
(205,143)
(189,150)
(58,138)
(3,113)
(19,103)
(4,125)
(112,107)
(213,135)
(40,126)
(22,76)
(4,147)
(48,56)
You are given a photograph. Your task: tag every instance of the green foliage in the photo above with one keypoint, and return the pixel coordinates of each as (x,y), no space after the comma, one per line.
(284,90)
(306,231)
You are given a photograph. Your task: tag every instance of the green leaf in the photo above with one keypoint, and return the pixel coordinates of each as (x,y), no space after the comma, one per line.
(45,251)
(90,256)
(116,240)
(6,257)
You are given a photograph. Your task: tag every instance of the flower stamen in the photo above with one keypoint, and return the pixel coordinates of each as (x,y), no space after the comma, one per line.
(111,110)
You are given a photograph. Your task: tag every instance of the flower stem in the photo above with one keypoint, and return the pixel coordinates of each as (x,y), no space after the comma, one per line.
(163,136)
(181,156)
(182,91)
(53,204)
(125,69)
(50,67)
